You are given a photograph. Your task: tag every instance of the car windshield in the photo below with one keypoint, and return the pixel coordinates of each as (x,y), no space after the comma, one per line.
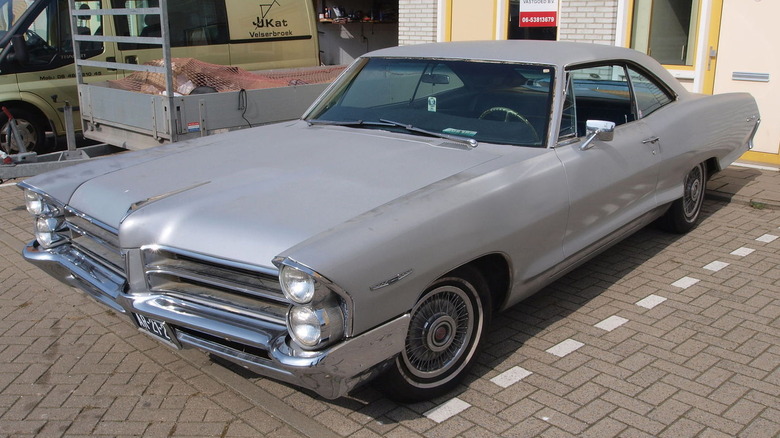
(477,101)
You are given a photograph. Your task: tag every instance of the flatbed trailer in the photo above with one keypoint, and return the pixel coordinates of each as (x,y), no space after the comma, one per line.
(136,120)
(121,120)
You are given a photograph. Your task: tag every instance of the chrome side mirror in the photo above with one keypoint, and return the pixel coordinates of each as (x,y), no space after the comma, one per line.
(601,129)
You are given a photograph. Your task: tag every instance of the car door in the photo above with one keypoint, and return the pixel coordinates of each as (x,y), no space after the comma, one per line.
(610,183)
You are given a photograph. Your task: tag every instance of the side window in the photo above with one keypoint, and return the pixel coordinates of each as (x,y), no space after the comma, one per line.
(649,96)
(43,38)
(86,24)
(48,40)
(569,114)
(192,22)
(601,93)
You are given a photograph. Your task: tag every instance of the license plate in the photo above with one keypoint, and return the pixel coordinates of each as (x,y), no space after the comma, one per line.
(155,328)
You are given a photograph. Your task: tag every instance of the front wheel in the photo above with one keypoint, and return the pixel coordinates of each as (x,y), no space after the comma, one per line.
(684,212)
(446,329)
(32,130)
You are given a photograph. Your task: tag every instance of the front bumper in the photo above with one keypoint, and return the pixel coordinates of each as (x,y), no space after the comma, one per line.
(260,346)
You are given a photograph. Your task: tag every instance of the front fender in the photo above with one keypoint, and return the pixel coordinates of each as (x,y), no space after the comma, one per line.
(499,207)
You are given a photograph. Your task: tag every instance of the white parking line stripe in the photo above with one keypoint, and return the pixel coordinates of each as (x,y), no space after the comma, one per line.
(742,252)
(716,266)
(566,347)
(447,410)
(766,238)
(685,282)
(510,377)
(611,323)
(650,302)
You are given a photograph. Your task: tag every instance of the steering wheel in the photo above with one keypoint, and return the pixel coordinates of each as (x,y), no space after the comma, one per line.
(509,115)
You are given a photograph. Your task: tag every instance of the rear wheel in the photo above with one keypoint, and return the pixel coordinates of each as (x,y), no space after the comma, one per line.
(32,130)
(446,329)
(683,214)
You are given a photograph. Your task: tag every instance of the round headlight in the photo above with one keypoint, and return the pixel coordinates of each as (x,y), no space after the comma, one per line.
(297,285)
(46,231)
(305,326)
(34,202)
(48,224)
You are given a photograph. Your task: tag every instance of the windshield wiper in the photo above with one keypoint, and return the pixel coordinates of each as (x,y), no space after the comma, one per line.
(470,142)
(353,123)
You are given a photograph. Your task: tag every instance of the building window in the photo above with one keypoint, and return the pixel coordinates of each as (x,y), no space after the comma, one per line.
(539,20)
(665,30)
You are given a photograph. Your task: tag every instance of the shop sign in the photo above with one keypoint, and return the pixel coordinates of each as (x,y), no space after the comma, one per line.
(268,19)
(538,13)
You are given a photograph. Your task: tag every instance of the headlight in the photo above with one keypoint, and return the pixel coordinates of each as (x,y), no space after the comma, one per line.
(313,327)
(49,222)
(318,315)
(47,230)
(297,285)
(34,202)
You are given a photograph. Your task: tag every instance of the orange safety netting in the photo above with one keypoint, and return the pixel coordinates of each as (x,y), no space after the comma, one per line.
(191,76)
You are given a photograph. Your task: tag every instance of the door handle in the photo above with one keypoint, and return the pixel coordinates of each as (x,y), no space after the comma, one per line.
(132,59)
(652,140)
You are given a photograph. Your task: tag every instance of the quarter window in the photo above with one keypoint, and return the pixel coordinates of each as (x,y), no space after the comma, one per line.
(649,96)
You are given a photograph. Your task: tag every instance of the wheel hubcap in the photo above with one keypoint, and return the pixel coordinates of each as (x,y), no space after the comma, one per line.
(26,132)
(693,191)
(439,333)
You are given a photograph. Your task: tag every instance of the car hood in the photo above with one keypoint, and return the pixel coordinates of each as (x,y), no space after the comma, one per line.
(257,192)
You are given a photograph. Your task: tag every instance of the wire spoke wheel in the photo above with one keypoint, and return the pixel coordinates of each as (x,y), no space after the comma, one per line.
(446,327)
(440,329)
(684,212)
(694,192)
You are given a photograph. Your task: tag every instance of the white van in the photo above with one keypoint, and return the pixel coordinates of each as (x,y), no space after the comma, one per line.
(36,61)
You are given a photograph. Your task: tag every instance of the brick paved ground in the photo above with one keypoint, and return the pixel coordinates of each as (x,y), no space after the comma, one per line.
(662,335)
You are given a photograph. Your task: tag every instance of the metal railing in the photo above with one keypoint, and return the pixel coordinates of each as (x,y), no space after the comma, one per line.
(163,41)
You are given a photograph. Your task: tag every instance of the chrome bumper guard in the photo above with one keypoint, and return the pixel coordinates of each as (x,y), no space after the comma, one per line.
(260,346)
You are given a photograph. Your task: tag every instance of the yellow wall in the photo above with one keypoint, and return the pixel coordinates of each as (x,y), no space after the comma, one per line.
(471,20)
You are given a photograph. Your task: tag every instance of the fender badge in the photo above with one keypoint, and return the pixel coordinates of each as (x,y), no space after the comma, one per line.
(393,280)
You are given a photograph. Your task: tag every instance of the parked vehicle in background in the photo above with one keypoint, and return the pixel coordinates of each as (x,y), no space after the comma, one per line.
(36,62)
(429,187)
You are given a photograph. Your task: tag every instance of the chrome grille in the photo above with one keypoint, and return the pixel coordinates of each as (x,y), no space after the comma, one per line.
(217,284)
(98,242)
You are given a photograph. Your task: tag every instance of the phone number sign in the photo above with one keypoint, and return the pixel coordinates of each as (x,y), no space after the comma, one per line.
(538,13)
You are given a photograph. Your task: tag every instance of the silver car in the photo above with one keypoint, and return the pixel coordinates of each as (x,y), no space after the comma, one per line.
(428,188)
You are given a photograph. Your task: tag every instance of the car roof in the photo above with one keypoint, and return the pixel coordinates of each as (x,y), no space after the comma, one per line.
(556,53)
(543,52)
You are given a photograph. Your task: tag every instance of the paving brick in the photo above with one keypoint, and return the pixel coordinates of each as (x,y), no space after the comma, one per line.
(703,363)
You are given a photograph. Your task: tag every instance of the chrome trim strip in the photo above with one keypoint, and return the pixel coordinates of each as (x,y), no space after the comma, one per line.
(395,279)
(217,277)
(228,303)
(213,260)
(140,204)
(91,220)
(86,226)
